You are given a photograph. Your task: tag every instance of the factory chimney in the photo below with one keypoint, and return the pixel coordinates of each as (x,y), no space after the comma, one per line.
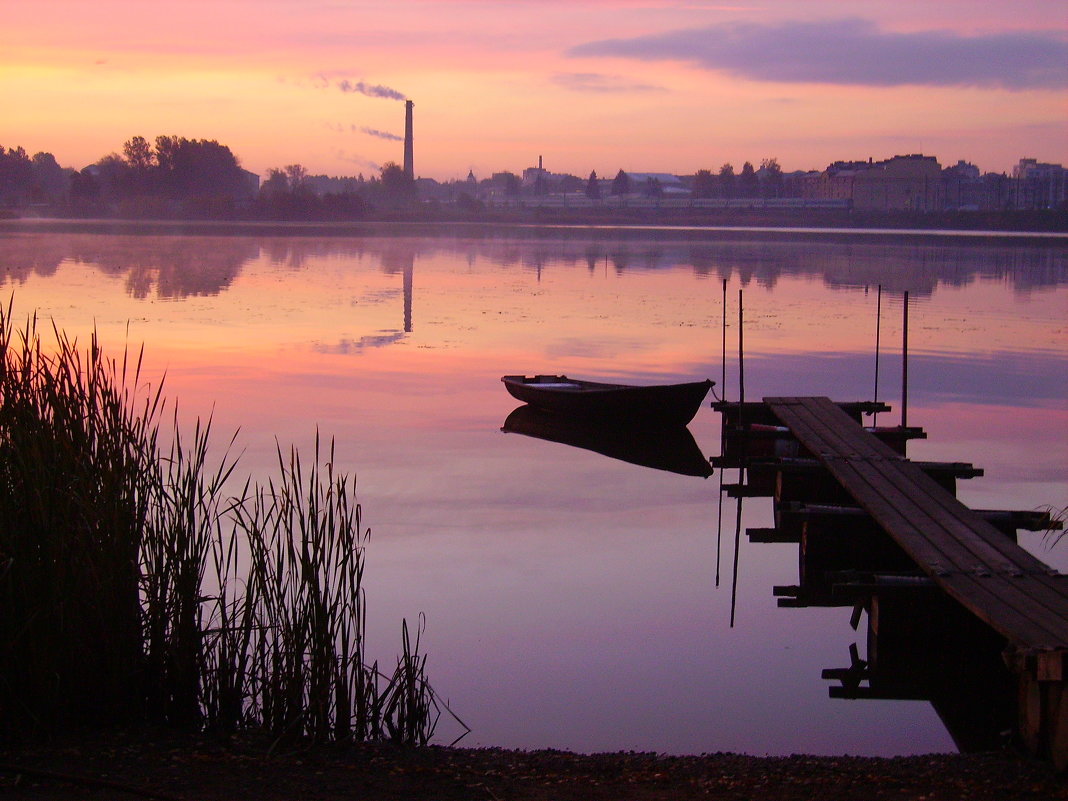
(409,168)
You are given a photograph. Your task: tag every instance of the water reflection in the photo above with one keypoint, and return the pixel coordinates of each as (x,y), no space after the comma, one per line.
(670,449)
(182,266)
(571,598)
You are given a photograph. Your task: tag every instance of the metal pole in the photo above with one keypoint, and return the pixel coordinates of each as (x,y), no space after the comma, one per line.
(905,363)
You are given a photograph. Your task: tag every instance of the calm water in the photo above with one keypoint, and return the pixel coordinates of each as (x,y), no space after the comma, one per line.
(572,600)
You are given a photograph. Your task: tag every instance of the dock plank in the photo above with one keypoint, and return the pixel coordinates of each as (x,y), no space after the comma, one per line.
(1001,583)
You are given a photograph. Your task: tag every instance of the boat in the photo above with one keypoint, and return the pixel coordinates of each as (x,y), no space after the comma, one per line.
(657,406)
(672,449)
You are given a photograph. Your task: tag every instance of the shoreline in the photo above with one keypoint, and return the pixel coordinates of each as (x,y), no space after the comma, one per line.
(173,767)
(574,229)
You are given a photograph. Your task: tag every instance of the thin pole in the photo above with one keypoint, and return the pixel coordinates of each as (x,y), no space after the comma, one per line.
(741,470)
(741,366)
(737,542)
(719,526)
(723,355)
(723,396)
(905,363)
(878,326)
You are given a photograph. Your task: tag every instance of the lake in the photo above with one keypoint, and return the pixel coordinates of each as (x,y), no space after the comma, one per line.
(571,600)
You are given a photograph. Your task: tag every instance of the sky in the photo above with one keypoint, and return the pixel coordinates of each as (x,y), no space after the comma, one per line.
(590,85)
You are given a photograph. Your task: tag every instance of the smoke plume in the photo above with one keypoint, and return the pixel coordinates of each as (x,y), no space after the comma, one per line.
(381,134)
(370,90)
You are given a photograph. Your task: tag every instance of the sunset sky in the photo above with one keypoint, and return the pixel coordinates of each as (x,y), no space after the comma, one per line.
(644,85)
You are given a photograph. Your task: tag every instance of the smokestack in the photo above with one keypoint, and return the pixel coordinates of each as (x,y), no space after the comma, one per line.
(409,168)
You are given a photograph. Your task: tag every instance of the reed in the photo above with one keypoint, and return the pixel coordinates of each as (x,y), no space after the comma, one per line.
(136,587)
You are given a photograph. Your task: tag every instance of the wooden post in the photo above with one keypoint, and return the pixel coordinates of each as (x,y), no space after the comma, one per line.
(741,366)
(878,331)
(905,363)
(723,357)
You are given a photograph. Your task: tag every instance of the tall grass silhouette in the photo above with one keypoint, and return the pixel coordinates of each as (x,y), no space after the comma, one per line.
(137,587)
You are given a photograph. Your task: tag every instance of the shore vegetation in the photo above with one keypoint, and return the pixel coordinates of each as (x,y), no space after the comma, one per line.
(139,588)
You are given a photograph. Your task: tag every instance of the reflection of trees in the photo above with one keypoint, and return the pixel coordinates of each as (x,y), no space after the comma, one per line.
(167,266)
(178,266)
(22,256)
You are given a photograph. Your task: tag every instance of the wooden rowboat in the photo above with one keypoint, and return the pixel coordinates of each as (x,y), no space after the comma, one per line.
(658,406)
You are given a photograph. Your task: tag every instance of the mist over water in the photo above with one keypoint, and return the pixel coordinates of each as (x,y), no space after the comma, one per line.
(571,599)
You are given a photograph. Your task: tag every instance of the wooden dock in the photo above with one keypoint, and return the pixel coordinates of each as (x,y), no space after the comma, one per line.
(1019,597)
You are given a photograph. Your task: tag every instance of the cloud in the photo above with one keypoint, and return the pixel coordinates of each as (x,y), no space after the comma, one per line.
(597,83)
(855,52)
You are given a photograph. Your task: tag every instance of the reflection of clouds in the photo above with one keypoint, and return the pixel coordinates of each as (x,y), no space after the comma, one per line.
(347,346)
(1019,379)
(588,348)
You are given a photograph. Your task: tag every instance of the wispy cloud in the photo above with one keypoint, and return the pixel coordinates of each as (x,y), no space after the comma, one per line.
(855,52)
(598,83)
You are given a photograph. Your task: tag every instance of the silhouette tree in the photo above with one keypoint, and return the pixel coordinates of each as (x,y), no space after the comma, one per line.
(704,184)
(16,175)
(747,181)
(396,185)
(276,183)
(138,154)
(621,184)
(296,178)
(771,184)
(191,168)
(726,180)
(50,181)
(593,187)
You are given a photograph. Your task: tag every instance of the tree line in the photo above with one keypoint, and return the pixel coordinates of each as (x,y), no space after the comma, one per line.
(177,176)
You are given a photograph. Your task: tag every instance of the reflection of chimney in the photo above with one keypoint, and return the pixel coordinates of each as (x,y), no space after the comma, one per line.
(409,268)
(409,169)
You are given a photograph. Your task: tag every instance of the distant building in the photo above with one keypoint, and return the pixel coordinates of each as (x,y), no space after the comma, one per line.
(661,183)
(536,179)
(967,190)
(1037,185)
(834,183)
(901,183)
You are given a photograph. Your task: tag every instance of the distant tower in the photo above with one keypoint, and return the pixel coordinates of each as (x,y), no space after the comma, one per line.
(409,169)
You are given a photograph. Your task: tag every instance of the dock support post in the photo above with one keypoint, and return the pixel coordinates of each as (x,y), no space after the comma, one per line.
(905,363)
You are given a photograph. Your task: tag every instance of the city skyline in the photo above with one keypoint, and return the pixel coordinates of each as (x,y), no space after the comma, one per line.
(592,85)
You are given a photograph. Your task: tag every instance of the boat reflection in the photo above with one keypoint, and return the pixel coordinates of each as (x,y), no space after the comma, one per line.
(670,449)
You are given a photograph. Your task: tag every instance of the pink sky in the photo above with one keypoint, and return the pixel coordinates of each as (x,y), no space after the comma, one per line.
(644,85)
